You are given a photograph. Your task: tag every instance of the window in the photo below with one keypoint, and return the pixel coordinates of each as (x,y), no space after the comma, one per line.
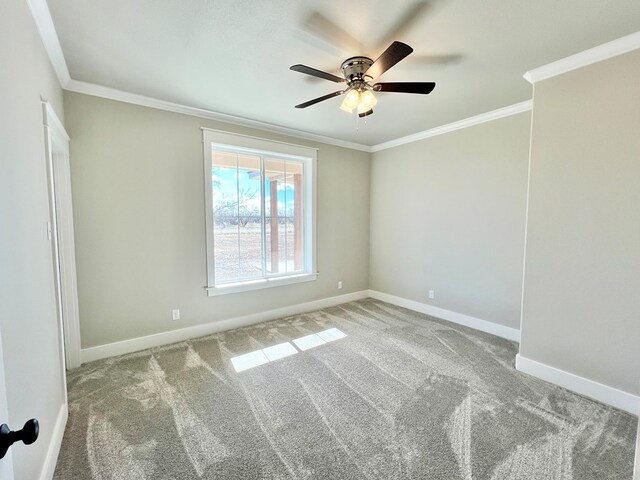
(260,203)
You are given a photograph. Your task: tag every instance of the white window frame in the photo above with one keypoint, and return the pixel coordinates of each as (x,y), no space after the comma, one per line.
(308,157)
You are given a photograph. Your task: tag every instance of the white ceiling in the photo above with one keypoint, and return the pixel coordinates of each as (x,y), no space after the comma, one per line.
(233,56)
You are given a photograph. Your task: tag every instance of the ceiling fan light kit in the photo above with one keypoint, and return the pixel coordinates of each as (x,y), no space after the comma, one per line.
(367,101)
(350,101)
(358,73)
(362,101)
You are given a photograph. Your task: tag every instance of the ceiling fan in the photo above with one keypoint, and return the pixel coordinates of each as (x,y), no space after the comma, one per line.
(359,73)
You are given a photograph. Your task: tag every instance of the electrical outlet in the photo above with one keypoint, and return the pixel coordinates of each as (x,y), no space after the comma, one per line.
(175,314)
(432,294)
(340,284)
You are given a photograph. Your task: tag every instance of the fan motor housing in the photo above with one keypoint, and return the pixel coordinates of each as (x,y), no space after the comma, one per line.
(354,69)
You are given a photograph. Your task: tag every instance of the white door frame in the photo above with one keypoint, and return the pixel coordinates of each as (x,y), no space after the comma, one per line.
(59,177)
(6,464)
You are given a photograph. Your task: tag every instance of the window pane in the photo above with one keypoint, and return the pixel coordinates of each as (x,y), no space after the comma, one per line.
(259,226)
(250,247)
(274,172)
(289,211)
(226,250)
(236,187)
(284,208)
(294,210)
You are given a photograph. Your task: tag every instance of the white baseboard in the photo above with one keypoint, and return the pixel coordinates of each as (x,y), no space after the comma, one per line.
(173,336)
(50,461)
(459,318)
(589,388)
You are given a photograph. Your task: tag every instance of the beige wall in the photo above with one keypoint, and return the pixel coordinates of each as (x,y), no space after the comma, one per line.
(581,309)
(138,200)
(448,214)
(28,321)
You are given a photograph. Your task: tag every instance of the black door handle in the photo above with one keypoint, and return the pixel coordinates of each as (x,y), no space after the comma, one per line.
(27,435)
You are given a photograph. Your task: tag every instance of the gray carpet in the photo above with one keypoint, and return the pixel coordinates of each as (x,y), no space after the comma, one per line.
(401,396)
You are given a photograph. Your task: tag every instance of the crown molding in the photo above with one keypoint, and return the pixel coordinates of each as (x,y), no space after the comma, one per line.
(135,99)
(460,124)
(44,22)
(42,17)
(587,57)
(121,96)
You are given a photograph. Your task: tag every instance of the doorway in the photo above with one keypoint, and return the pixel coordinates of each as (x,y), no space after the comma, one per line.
(62,237)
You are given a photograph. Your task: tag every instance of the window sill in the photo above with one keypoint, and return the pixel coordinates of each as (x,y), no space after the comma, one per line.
(260,284)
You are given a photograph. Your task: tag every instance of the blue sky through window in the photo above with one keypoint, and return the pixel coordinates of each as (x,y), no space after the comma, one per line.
(227,182)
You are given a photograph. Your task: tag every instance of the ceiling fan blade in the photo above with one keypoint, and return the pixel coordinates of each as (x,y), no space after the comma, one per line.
(366,114)
(405,87)
(327,31)
(392,55)
(320,99)
(317,73)
(405,22)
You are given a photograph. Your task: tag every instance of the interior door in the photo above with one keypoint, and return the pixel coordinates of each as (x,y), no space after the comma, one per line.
(66,259)
(63,244)
(6,464)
